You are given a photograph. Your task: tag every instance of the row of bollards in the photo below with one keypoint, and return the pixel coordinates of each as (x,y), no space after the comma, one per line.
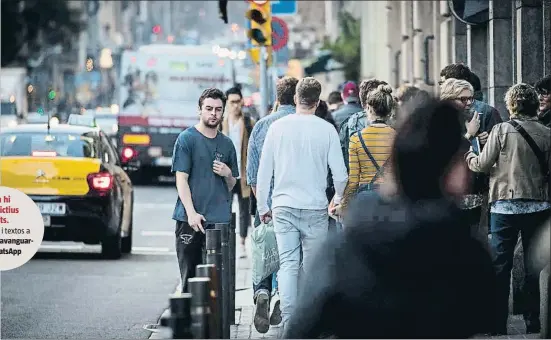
(208,310)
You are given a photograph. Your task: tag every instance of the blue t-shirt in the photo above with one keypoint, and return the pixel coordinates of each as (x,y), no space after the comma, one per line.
(194,154)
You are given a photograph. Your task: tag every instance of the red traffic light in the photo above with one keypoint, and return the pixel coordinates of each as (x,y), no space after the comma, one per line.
(157,29)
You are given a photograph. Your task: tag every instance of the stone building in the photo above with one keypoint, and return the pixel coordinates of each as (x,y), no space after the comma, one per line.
(511,44)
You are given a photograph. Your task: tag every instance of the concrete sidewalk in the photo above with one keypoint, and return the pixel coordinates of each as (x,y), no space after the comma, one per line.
(244,307)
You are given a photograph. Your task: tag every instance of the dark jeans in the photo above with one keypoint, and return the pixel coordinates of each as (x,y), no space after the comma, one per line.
(244,217)
(190,250)
(265,284)
(504,231)
(472,219)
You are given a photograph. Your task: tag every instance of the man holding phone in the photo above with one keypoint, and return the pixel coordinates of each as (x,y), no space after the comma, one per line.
(205,164)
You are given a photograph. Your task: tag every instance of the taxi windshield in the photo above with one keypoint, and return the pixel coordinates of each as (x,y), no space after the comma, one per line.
(21,144)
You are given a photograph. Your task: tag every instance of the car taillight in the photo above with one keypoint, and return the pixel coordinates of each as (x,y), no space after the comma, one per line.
(127,154)
(101,182)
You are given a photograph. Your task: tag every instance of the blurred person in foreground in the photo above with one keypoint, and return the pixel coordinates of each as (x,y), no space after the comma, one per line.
(285,91)
(334,101)
(404,267)
(460,94)
(543,88)
(517,158)
(351,99)
(407,96)
(298,151)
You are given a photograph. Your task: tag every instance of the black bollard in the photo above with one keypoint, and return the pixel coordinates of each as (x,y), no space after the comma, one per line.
(180,316)
(225,278)
(209,270)
(199,288)
(233,254)
(214,257)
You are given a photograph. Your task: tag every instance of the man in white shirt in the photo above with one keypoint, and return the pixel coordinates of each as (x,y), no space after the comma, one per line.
(297,152)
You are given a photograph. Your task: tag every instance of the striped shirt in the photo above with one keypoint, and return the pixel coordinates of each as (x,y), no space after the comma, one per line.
(378,140)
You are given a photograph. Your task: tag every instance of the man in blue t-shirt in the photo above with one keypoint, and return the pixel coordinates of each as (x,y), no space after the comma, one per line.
(205,164)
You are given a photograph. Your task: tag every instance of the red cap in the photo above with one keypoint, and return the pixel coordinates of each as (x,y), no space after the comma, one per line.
(350,91)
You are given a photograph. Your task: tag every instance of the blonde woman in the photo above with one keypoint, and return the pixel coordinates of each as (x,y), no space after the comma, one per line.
(369,150)
(517,158)
(460,94)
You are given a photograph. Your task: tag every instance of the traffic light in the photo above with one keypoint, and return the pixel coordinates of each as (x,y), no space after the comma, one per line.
(260,16)
(51,94)
(156,29)
(223,10)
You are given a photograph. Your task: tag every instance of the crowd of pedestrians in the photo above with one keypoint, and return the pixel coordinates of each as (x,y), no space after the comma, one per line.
(427,195)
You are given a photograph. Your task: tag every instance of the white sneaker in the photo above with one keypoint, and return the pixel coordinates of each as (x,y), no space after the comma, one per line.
(243,253)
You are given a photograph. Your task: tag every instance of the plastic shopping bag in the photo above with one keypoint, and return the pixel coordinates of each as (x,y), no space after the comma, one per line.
(265,254)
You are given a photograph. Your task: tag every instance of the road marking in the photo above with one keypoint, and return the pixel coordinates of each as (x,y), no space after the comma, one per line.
(151,249)
(61,246)
(154,205)
(151,253)
(157,233)
(96,248)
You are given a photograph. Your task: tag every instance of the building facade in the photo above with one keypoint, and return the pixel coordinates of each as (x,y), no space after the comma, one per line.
(510,45)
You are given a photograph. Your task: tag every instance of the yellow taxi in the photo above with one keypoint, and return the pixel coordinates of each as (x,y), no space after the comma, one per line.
(76,178)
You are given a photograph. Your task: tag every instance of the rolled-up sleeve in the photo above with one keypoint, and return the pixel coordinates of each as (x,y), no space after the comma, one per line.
(253,156)
(265,174)
(486,160)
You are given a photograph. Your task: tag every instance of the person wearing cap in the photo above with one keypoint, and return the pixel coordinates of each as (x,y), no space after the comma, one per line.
(351,98)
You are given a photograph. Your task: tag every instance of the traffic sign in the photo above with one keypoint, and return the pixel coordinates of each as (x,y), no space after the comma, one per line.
(280,33)
(284,7)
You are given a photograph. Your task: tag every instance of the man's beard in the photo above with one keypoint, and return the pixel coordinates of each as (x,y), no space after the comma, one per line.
(208,124)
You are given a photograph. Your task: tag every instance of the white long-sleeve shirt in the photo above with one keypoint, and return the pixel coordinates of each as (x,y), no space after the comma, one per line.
(297,152)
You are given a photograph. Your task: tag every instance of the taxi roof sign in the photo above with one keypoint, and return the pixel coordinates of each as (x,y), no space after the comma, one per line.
(76,119)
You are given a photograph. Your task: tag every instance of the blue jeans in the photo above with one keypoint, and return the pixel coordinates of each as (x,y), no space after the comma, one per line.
(505,230)
(296,230)
(269,283)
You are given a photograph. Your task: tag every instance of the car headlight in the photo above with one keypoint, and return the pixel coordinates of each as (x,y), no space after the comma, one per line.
(12,123)
(54,121)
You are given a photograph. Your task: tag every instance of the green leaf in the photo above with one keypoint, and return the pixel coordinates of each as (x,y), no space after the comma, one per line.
(347,48)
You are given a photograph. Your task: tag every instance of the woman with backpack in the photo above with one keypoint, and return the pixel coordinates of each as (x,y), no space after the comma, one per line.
(369,149)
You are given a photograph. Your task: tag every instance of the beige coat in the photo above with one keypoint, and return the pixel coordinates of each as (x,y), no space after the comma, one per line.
(513,167)
(245,189)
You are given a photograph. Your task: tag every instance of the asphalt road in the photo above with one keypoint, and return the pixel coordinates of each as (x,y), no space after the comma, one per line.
(68,291)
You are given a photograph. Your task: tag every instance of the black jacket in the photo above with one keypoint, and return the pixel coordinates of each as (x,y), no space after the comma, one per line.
(545,118)
(400,270)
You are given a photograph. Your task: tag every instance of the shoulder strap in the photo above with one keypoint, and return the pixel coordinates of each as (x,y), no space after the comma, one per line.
(537,151)
(366,150)
(380,169)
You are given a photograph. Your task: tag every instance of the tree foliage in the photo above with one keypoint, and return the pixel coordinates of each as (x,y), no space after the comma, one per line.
(29,26)
(347,48)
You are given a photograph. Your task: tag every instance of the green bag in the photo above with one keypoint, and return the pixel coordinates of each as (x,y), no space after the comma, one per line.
(265,254)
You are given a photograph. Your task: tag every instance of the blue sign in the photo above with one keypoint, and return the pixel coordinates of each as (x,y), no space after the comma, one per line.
(284,7)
